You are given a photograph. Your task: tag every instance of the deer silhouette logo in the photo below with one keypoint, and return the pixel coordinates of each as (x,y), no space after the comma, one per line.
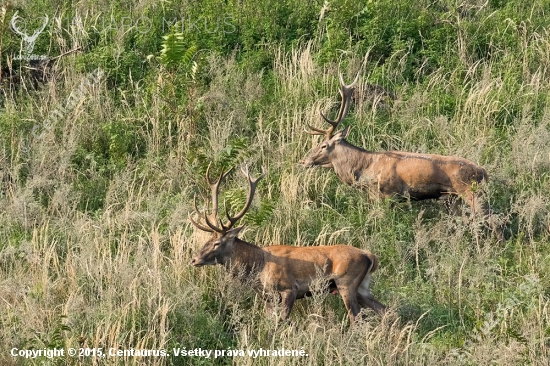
(28,41)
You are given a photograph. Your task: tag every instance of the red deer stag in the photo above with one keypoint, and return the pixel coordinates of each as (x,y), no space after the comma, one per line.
(287,270)
(391,173)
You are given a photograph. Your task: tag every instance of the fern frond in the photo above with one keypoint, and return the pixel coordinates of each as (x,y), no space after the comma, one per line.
(173,49)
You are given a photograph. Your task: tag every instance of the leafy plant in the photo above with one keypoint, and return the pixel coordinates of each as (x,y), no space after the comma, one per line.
(175,53)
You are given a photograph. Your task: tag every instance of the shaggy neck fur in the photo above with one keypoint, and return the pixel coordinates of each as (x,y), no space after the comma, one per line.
(246,255)
(350,161)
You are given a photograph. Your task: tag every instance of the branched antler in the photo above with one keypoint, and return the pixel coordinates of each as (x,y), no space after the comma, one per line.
(346,91)
(213,220)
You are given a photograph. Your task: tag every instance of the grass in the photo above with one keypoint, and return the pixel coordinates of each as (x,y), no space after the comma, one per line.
(95,244)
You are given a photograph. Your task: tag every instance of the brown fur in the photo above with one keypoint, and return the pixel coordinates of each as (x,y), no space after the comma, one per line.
(397,173)
(290,270)
(287,270)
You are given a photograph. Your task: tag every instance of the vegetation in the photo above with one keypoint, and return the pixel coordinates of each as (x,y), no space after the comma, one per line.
(95,244)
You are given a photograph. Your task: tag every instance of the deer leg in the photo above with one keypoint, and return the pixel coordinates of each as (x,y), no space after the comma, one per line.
(271,300)
(288,298)
(368,301)
(365,298)
(350,301)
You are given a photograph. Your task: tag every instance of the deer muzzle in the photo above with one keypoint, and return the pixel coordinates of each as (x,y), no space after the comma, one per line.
(197,262)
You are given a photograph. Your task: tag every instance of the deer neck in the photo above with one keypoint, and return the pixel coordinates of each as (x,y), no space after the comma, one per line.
(350,162)
(246,255)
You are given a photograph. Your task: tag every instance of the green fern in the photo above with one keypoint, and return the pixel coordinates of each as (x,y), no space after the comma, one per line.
(235,199)
(264,212)
(57,336)
(174,51)
(173,48)
(236,151)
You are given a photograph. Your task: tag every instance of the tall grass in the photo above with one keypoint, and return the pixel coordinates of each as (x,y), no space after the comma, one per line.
(95,245)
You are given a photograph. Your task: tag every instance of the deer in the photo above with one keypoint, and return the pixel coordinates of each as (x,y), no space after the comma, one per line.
(288,271)
(392,174)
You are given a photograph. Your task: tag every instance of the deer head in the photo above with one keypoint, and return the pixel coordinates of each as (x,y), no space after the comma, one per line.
(322,153)
(219,247)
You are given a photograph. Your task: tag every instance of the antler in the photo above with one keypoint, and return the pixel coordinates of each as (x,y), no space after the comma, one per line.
(252,183)
(14,18)
(213,220)
(36,33)
(346,91)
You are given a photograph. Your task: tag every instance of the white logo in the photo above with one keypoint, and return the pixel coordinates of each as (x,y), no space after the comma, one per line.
(28,41)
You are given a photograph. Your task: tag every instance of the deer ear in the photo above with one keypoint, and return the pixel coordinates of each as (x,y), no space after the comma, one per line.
(342,134)
(232,233)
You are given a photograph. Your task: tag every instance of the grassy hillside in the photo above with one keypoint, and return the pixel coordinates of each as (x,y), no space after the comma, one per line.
(105,142)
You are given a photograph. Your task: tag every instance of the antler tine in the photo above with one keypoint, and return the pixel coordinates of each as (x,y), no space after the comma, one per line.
(43,26)
(212,219)
(352,85)
(199,226)
(252,183)
(245,171)
(212,225)
(215,188)
(12,23)
(315,131)
(346,91)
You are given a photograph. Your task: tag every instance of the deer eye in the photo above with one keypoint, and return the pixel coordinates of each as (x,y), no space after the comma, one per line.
(216,244)
(323,146)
